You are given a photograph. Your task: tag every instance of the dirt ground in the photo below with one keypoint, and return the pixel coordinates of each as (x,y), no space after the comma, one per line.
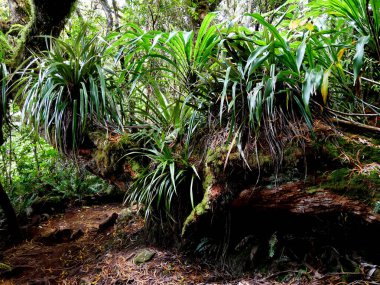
(83,246)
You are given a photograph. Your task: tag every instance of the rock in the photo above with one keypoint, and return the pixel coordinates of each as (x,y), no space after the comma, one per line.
(125,215)
(107,223)
(77,234)
(56,236)
(144,256)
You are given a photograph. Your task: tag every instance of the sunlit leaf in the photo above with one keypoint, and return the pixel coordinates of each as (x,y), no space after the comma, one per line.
(359,55)
(325,85)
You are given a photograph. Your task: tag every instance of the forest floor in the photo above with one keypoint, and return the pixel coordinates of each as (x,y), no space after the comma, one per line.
(83,245)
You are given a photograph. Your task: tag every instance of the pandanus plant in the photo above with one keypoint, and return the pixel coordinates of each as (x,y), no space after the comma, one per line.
(268,84)
(169,74)
(65,90)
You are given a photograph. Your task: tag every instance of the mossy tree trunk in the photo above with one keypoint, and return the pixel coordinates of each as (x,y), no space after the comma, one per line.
(198,9)
(19,11)
(48,19)
(338,196)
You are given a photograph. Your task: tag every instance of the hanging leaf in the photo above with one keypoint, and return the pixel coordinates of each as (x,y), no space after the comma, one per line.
(340,54)
(312,82)
(358,58)
(325,85)
(300,53)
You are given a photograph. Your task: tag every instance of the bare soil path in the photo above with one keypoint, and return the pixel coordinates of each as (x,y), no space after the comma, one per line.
(69,248)
(83,246)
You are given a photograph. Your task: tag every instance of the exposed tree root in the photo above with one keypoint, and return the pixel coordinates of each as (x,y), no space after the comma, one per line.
(294,198)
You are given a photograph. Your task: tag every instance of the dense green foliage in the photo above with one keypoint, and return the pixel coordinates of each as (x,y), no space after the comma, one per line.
(66,88)
(169,87)
(34,171)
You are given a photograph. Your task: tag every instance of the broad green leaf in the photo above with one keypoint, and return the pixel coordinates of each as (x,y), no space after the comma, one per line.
(359,55)
(224,92)
(300,53)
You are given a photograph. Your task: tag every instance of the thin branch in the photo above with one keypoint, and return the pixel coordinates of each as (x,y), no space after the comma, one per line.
(356,124)
(364,78)
(352,114)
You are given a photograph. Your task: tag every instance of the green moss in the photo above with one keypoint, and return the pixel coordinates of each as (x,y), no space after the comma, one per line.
(133,169)
(5,267)
(216,159)
(339,176)
(355,150)
(108,153)
(361,186)
(331,149)
(202,208)
(368,154)
(314,189)
(136,167)
(20,47)
(209,178)
(124,139)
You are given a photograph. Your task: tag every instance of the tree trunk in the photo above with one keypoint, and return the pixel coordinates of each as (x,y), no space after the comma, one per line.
(48,19)
(198,9)
(9,212)
(19,11)
(336,198)
(116,12)
(109,14)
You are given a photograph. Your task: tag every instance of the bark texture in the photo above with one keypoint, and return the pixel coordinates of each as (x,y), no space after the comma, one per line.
(198,9)
(296,199)
(48,19)
(9,212)
(335,183)
(335,201)
(19,11)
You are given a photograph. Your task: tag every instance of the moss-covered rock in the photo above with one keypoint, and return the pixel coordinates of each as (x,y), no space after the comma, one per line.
(144,256)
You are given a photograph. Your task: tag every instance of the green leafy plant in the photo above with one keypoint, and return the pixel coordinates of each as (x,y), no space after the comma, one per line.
(167,140)
(33,170)
(364,15)
(66,90)
(5,47)
(165,175)
(169,74)
(270,80)
(176,59)
(356,31)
